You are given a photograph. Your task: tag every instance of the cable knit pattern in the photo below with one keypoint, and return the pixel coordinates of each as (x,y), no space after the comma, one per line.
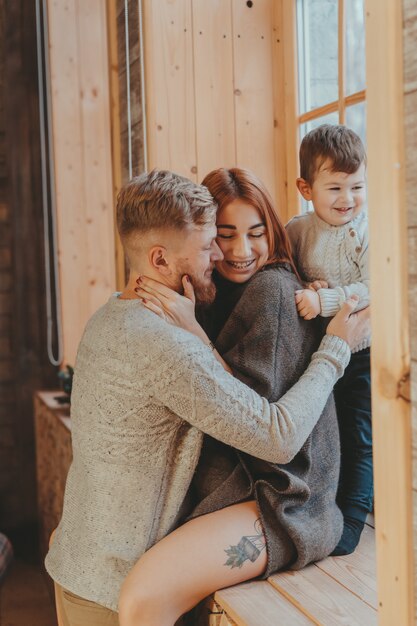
(144,393)
(336,254)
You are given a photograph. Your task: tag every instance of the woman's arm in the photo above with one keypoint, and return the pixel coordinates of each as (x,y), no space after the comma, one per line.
(176,309)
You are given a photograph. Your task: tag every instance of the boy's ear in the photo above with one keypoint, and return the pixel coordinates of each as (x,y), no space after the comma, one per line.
(304,188)
(157,257)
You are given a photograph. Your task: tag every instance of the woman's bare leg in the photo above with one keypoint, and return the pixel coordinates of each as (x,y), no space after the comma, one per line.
(213,551)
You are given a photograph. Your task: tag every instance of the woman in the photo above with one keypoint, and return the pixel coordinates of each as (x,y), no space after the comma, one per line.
(244,504)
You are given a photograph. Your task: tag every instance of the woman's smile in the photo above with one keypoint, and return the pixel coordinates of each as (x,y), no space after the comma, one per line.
(240,265)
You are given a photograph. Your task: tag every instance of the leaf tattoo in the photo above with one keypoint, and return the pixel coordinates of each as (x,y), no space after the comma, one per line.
(248,548)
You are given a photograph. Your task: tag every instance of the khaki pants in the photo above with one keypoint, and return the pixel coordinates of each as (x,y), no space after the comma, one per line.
(75,611)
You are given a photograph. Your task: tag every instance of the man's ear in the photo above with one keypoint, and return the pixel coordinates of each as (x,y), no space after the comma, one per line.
(304,188)
(158,260)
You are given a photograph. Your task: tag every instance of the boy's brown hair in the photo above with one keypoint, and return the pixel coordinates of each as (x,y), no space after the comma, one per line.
(330,142)
(161,199)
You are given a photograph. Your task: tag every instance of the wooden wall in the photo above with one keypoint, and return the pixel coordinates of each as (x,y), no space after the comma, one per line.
(24,365)
(82,145)
(410,123)
(392,151)
(210,73)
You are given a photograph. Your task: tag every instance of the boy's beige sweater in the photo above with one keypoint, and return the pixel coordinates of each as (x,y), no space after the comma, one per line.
(337,254)
(144,393)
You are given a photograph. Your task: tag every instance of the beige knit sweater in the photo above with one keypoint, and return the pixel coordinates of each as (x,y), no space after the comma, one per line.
(336,254)
(144,393)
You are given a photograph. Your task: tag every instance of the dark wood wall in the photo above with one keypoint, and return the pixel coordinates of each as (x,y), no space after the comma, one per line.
(24,366)
(135,87)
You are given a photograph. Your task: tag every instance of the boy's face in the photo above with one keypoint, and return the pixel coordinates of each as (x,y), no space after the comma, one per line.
(337,197)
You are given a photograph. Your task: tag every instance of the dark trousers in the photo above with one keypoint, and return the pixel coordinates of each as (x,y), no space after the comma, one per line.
(353,404)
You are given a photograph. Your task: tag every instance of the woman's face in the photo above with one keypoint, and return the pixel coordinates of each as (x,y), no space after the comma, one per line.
(241,236)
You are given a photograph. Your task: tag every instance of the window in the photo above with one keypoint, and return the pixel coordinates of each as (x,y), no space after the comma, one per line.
(331,65)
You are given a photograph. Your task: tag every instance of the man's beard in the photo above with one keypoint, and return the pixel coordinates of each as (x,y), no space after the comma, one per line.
(204,287)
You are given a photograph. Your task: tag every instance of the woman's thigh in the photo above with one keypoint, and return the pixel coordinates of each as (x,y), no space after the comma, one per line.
(210,552)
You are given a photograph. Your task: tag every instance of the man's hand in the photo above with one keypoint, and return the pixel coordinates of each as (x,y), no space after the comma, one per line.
(308,303)
(352,328)
(316,285)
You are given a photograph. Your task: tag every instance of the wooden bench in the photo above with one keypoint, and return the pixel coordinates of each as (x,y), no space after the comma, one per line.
(336,591)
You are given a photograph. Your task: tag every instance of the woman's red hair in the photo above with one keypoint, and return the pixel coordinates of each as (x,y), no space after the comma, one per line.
(227,185)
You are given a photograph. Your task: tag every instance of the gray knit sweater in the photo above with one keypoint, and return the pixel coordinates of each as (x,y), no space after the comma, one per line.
(144,393)
(268,346)
(336,254)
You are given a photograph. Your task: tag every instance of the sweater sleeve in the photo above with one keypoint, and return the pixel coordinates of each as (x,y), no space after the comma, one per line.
(200,392)
(331,300)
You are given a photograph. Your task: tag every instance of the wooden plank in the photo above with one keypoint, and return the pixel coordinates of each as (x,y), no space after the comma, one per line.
(213,81)
(253,67)
(68,154)
(280,114)
(341,60)
(390,319)
(53,458)
(292,136)
(412,293)
(355,98)
(96,145)
(24,364)
(134,141)
(410,105)
(357,571)
(410,89)
(115,132)
(81,137)
(323,599)
(170,86)
(255,603)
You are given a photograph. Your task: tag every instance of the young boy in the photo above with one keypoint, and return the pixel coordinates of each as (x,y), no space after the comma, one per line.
(330,248)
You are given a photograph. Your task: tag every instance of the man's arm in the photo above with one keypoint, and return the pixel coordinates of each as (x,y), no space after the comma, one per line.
(193,385)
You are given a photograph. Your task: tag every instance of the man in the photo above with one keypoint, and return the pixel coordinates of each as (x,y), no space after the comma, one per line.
(144,394)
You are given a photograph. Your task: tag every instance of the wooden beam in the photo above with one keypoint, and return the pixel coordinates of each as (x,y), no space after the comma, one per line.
(115,132)
(332,107)
(169,76)
(253,94)
(278,83)
(292,140)
(389,293)
(341,60)
(213,85)
(82,150)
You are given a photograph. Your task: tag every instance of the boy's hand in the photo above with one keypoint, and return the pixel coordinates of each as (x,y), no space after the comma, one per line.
(308,303)
(317,284)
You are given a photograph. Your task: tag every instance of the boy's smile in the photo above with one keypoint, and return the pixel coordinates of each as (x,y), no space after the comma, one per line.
(337,197)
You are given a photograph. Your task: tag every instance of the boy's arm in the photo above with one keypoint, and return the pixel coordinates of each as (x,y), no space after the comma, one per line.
(332,299)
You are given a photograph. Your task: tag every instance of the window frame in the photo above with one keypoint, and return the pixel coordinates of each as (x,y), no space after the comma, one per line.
(293,118)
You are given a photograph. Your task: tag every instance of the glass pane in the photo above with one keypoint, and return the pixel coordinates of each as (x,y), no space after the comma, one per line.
(317,35)
(355,46)
(356,119)
(332,118)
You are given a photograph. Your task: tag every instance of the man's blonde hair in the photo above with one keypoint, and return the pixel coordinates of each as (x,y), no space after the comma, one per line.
(162,200)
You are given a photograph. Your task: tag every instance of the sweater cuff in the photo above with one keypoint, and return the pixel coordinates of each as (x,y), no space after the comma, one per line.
(335,349)
(330,301)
